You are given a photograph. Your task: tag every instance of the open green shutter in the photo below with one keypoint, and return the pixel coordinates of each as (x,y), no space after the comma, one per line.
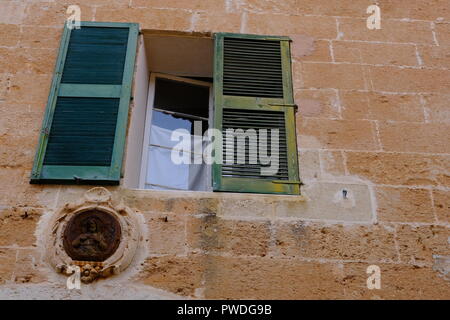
(253,90)
(83,133)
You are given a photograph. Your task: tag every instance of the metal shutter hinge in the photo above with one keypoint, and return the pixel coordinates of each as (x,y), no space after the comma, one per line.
(45,131)
(283,105)
(295,106)
(287,182)
(78,179)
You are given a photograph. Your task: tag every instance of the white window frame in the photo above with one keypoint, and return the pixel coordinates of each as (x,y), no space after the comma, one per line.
(148,121)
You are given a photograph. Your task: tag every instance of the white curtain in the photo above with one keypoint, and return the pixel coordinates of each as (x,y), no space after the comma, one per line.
(162,172)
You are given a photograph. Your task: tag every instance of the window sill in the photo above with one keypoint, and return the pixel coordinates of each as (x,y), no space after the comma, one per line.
(223,204)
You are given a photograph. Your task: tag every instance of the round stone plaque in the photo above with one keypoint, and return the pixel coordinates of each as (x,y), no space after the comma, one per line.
(92,235)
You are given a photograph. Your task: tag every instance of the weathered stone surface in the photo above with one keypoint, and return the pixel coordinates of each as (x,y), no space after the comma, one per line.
(329,201)
(336,134)
(223,22)
(338,76)
(28,267)
(220,277)
(419,245)
(97,3)
(5,86)
(193,206)
(333,164)
(17,226)
(197,5)
(39,196)
(148,19)
(391,9)
(166,233)
(416,9)
(405,137)
(240,278)
(52,14)
(7,262)
(400,168)
(318,103)
(18,142)
(346,8)
(305,48)
(391,31)
(209,233)
(378,106)
(437,107)
(355,242)
(441,201)
(390,79)
(404,205)
(309,167)
(12,12)
(297,77)
(9,35)
(29,60)
(442,32)
(317,27)
(11,181)
(375,53)
(435,56)
(146,203)
(70,194)
(285,7)
(103,291)
(23,88)
(167,202)
(398,281)
(442,266)
(181,275)
(243,206)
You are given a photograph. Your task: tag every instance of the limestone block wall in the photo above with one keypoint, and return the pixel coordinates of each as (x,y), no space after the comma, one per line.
(373,121)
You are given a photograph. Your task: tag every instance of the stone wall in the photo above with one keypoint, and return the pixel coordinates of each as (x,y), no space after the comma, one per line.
(373,120)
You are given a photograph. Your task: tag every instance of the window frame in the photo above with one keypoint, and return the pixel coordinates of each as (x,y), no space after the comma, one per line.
(145,165)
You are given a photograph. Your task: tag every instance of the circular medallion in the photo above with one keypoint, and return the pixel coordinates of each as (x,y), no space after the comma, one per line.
(92,235)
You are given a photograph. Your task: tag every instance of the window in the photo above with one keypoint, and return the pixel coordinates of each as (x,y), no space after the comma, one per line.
(238,84)
(176,103)
(172,92)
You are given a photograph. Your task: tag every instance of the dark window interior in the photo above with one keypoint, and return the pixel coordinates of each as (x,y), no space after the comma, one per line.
(183,99)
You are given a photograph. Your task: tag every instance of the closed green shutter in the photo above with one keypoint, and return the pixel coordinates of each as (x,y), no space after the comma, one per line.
(253,90)
(83,133)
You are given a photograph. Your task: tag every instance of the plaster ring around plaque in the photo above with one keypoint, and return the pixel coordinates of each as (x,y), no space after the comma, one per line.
(94,236)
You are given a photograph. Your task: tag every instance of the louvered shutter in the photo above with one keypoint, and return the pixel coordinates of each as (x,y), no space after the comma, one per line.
(83,133)
(253,90)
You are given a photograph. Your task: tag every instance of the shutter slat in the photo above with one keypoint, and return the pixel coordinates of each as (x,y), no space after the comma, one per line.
(252,68)
(96,56)
(254,61)
(82,138)
(268,119)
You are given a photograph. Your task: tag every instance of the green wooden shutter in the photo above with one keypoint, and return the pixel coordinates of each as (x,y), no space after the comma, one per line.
(253,90)
(83,133)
